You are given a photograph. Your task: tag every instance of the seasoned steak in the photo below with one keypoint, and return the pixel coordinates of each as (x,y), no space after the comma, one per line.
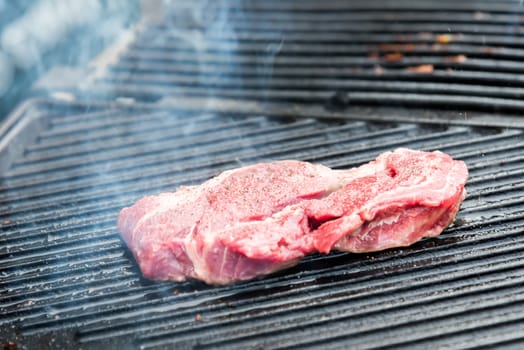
(258,219)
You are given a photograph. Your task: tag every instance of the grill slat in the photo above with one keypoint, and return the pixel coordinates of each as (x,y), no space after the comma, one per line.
(359,5)
(358,48)
(95,170)
(99,154)
(179,141)
(251,19)
(494,338)
(500,77)
(230,312)
(349,292)
(482,103)
(330,294)
(343,85)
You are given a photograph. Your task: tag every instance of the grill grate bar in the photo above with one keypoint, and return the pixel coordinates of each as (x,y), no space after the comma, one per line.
(388,36)
(63,228)
(487,335)
(492,192)
(18,276)
(343,22)
(490,201)
(319,56)
(494,199)
(322,332)
(180,139)
(57,282)
(161,122)
(389,73)
(145,136)
(380,267)
(338,50)
(26,306)
(277,138)
(360,5)
(322,83)
(25,246)
(312,319)
(116,121)
(247,19)
(341,291)
(112,242)
(442,322)
(304,96)
(53,144)
(505,138)
(272,307)
(113,201)
(122,145)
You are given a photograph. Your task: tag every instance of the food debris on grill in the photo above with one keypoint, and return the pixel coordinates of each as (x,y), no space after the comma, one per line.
(444,38)
(424,68)
(378,70)
(456,59)
(9,345)
(374,55)
(262,218)
(489,50)
(393,57)
(397,47)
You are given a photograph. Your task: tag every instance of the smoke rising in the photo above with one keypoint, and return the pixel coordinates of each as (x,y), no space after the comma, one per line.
(48,33)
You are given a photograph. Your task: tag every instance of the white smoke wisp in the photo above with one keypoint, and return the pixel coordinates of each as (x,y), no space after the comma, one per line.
(49,22)
(203,26)
(7,72)
(43,26)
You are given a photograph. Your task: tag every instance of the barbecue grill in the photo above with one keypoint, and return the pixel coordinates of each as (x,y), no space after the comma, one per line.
(147,118)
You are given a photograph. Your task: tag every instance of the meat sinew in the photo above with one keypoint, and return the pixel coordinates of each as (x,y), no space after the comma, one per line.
(262,218)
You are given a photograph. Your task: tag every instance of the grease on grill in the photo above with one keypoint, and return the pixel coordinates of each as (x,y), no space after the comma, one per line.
(393,57)
(444,38)
(456,59)
(9,345)
(422,69)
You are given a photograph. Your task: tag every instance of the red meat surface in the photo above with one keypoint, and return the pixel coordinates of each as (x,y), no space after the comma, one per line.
(262,218)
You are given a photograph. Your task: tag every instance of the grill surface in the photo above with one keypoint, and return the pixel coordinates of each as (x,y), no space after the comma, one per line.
(445,54)
(66,278)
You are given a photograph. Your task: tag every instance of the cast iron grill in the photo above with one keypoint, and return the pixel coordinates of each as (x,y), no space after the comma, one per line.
(66,278)
(443,54)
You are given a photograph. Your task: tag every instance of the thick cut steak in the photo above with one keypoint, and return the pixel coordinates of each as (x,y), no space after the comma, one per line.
(262,218)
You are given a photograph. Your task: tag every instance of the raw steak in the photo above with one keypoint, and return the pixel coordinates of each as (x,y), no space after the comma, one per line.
(262,218)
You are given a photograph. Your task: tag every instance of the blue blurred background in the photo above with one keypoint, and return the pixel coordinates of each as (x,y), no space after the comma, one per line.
(36,35)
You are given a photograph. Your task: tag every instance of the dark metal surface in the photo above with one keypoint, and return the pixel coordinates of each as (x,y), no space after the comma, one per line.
(67,280)
(332,52)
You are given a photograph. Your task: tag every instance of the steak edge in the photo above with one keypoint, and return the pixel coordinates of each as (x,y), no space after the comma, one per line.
(262,218)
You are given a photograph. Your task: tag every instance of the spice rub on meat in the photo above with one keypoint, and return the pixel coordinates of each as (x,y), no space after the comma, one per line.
(262,218)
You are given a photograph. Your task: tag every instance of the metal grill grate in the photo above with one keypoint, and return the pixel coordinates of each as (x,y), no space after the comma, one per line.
(441,54)
(67,279)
